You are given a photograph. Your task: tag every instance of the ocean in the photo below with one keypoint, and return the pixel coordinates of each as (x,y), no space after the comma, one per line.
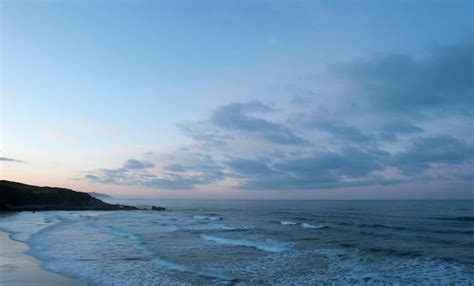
(255,242)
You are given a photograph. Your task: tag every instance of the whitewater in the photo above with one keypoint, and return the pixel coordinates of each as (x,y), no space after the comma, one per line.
(256,243)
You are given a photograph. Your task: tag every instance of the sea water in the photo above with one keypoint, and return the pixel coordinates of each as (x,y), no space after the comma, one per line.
(257,243)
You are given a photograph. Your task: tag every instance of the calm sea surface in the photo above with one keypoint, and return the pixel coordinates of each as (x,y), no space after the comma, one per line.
(257,243)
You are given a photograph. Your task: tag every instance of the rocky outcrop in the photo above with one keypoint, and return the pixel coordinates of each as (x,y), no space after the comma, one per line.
(20,197)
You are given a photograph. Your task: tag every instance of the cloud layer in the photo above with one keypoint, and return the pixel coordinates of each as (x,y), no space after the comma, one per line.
(383,129)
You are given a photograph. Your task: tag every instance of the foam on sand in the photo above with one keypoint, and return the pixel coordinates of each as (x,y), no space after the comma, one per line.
(17,268)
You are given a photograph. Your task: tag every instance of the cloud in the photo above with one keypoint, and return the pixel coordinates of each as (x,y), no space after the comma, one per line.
(425,152)
(5,159)
(395,129)
(341,167)
(338,129)
(91,177)
(351,166)
(394,134)
(135,164)
(238,117)
(197,169)
(323,169)
(206,134)
(400,84)
(243,167)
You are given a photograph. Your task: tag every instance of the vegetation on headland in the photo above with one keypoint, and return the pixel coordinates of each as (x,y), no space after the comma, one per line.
(21,197)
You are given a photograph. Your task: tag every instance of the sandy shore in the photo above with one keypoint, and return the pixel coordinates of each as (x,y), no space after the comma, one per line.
(17,268)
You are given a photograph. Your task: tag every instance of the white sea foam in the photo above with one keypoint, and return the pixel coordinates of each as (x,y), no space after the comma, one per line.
(120,233)
(171,265)
(270,246)
(209,226)
(159,261)
(307,225)
(23,225)
(141,248)
(187,269)
(200,217)
(286,222)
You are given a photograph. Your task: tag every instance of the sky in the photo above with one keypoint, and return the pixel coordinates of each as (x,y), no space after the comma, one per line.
(240,99)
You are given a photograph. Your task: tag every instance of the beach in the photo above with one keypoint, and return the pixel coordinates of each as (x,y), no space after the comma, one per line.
(243,242)
(17,268)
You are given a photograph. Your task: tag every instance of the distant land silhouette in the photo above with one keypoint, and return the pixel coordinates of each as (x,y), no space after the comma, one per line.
(100,195)
(16,196)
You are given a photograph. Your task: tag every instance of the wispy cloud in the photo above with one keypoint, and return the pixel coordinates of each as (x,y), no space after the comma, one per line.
(6,159)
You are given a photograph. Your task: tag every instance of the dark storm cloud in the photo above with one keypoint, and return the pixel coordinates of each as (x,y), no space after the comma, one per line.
(424,152)
(443,82)
(238,117)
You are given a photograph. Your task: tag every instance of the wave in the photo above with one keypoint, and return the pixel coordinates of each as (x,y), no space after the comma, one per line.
(209,226)
(204,217)
(187,269)
(307,225)
(22,226)
(116,232)
(376,225)
(459,218)
(270,246)
(286,222)
(406,268)
(396,252)
(454,231)
(347,244)
(162,262)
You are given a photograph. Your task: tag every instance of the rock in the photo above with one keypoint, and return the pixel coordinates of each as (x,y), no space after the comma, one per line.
(155,208)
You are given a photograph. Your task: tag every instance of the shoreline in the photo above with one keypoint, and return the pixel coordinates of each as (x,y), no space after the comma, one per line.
(18,269)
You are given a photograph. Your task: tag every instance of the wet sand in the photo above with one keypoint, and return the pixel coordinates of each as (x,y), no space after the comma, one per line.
(18,269)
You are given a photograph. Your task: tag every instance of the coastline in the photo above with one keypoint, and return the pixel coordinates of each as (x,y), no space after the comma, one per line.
(18,268)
